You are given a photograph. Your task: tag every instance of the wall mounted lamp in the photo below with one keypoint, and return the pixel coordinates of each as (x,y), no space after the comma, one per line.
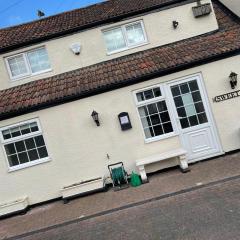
(76,48)
(233,79)
(95,118)
(175,24)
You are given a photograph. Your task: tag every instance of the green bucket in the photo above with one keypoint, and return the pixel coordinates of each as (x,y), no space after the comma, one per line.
(135,180)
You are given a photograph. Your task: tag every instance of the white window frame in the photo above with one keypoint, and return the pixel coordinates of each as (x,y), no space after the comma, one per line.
(19,138)
(27,64)
(124,31)
(163,97)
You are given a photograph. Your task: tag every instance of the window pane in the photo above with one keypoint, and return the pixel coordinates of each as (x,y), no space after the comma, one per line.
(20,146)
(167,127)
(23,157)
(13,160)
(42,152)
(157,92)
(152,108)
(190,110)
(30,144)
(34,127)
(199,107)
(181,112)
(38,60)
(187,99)
(10,149)
(17,66)
(146,122)
(15,132)
(114,39)
(184,88)
(135,34)
(140,97)
(184,122)
(149,132)
(165,117)
(148,94)
(155,119)
(25,129)
(33,155)
(178,101)
(193,120)
(162,106)
(175,91)
(143,111)
(158,130)
(193,85)
(6,134)
(202,118)
(196,96)
(39,141)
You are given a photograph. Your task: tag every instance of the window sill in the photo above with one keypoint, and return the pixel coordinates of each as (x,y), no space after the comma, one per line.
(15,79)
(31,164)
(155,139)
(126,49)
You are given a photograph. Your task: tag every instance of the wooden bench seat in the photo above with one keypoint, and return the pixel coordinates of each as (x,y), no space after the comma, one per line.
(180,153)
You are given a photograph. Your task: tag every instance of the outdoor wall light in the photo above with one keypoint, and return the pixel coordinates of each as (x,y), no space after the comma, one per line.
(233,79)
(76,48)
(95,118)
(175,24)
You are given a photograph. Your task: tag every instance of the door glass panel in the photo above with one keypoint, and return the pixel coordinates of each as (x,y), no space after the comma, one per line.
(189,105)
(190,110)
(187,99)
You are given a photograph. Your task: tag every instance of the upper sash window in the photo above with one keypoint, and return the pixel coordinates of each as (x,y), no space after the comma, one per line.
(125,37)
(28,63)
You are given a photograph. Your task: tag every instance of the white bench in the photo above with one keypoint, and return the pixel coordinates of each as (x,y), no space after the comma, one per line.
(180,153)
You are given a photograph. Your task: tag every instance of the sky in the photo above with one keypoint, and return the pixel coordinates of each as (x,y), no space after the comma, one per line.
(13,12)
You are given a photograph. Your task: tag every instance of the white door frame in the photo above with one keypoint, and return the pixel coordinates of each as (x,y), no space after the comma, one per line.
(208,111)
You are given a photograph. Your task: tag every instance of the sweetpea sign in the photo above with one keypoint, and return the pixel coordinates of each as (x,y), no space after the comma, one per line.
(227,96)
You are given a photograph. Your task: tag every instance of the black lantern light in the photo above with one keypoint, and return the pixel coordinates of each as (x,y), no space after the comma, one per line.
(95,118)
(175,24)
(233,79)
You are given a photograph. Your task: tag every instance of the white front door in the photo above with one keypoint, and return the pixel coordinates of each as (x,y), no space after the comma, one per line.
(194,118)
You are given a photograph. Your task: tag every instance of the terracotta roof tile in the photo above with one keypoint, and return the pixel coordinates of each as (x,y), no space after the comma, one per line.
(124,70)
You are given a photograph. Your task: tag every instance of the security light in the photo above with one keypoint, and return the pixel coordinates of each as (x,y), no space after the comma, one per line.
(76,48)
(233,79)
(95,118)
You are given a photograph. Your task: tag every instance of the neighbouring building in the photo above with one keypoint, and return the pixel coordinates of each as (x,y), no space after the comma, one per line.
(168,66)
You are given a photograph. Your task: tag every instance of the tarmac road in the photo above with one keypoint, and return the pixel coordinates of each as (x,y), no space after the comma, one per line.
(209,213)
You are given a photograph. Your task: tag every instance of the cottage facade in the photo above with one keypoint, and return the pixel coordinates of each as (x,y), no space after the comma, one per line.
(158,62)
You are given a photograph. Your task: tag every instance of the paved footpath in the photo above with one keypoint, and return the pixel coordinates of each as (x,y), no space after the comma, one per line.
(209,213)
(162,185)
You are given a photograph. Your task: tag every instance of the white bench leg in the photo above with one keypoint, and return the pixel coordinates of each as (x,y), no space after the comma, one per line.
(183,163)
(143,174)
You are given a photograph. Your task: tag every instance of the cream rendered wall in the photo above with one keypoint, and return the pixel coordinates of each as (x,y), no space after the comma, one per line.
(158,26)
(78,148)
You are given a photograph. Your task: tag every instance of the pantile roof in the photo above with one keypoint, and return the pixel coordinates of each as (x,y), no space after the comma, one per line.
(125,70)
